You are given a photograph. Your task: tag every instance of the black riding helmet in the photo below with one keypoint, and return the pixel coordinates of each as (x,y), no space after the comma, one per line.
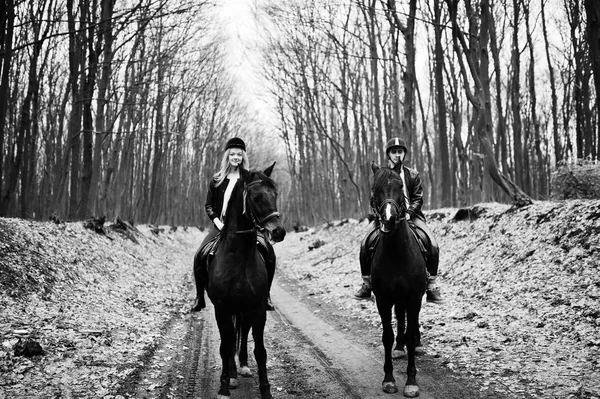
(394,143)
(235,142)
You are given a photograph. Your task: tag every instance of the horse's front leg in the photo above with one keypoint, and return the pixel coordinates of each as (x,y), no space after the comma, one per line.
(385,313)
(227,333)
(233,382)
(260,353)
(243,355)
(398,351)
(411,389)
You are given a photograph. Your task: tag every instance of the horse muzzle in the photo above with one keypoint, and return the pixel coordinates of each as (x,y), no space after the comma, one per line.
(278,233)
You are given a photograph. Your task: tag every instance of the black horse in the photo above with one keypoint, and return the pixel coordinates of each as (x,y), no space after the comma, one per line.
(238,283)
(398,274)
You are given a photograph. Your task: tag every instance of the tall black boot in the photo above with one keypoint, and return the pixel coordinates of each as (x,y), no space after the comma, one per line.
(266,250)
(367,248)
(200,279)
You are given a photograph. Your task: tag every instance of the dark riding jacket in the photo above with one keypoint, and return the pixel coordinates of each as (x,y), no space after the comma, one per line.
(216,195)
(414,188)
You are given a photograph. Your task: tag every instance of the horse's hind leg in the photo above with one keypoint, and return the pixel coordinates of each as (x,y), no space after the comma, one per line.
(385,313)
(411,389)
(243,356)
(260,353)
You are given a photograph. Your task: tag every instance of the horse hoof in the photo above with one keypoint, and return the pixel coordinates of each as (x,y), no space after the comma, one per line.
(245,371)
(233,383)
(219,396)
(389,387)
(411,391)
(397,354)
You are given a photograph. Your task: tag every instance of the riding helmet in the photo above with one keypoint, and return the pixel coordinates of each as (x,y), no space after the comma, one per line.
(395,142)
(235,142)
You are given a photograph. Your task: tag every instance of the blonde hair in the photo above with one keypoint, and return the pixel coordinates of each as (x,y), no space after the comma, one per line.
(226,167)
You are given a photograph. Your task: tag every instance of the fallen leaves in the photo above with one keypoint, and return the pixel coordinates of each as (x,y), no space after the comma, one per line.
(91,303)
(522,289)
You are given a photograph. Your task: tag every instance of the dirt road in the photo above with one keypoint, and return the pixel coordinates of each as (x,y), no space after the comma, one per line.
(308,357)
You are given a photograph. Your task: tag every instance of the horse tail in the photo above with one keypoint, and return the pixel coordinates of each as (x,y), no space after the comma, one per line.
(237,323)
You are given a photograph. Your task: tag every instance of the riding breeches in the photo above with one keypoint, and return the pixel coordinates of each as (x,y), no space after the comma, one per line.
(432,254)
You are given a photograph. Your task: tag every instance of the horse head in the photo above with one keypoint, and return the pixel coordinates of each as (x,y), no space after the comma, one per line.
(261,204)
(388,197)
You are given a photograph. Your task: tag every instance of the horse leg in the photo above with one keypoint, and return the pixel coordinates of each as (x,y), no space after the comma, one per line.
(411,389)
(385,313)
(233,382)
(227,333)
(260,353)
(398,351)
(243,356)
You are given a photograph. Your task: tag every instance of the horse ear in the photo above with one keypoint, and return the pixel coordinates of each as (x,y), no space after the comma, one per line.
(374,167)
(270,169)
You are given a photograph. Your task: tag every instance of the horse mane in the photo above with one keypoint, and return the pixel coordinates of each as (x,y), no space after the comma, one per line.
(382,176)
(259,175)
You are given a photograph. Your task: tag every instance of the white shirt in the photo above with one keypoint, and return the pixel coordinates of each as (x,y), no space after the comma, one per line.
(233,178)
(404,189)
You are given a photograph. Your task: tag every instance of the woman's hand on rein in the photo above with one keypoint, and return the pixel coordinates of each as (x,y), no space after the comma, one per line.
(218,224)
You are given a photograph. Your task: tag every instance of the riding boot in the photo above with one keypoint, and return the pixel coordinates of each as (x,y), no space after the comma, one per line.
(364,292)
(266,250)
(433,293)
(200,277)
(367,248)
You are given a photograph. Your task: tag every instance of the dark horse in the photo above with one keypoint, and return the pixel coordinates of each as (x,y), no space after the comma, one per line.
(238,284)
(398,275)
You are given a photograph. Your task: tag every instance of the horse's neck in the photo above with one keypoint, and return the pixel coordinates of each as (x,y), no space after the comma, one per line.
(402,236)
(239,232)
(240,242)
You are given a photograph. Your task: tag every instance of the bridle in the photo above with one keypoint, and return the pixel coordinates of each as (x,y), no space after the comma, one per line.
(400,210)
(250,210)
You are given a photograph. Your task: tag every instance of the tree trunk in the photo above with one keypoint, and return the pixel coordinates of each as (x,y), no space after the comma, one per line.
(558,150)
(409,78)
(7,15)
(539,158)
(515,94)
(83,208)
(76,62)
(105,35)
(446,178)
(593,17)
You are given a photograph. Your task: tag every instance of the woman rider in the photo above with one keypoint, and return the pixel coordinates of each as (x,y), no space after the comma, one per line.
(233,171)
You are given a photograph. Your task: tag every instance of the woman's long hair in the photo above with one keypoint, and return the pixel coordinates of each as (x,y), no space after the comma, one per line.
(226,167)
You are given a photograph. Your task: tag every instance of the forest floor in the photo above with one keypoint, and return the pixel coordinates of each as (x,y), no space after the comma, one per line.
(78,309)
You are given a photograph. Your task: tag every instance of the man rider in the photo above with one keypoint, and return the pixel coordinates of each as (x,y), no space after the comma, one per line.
(396,150)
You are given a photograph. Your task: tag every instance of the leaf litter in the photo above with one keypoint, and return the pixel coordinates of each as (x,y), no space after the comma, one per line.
(522,289)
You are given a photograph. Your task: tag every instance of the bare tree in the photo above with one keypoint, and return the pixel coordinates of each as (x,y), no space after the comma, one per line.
(480,97)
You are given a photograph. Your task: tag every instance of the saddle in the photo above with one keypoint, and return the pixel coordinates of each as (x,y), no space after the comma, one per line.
(207,252)
(421,237)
